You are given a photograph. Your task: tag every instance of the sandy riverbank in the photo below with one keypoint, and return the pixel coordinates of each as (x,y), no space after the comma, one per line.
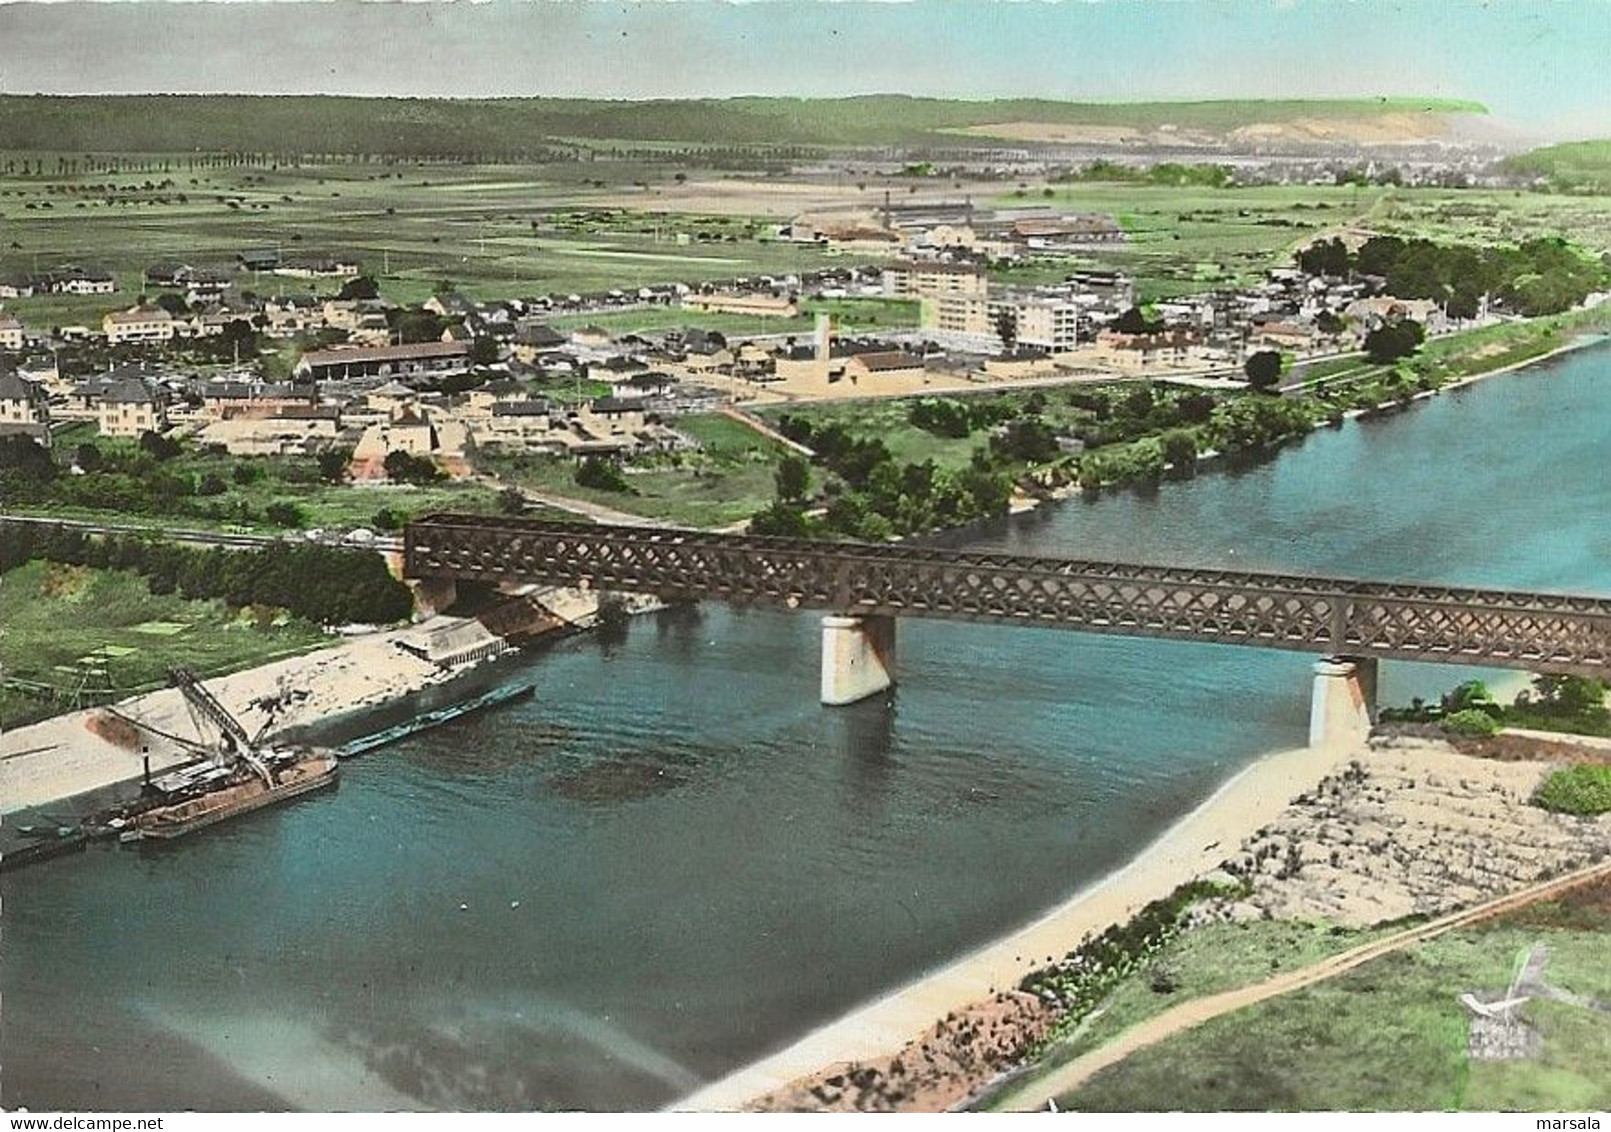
(73,753)
(1404,824)
(1193,846)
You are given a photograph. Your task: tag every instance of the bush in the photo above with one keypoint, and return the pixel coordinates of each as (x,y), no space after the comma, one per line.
(405,467)
(285,514)
(1584,790)
(1471,721)
(601,475)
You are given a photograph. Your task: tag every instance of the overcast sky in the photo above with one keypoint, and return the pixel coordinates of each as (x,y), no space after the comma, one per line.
(1540,63)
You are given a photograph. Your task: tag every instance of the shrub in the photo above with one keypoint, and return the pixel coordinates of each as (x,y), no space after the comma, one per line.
(285,514)
(1472,721)
(601,475)
(1584,790)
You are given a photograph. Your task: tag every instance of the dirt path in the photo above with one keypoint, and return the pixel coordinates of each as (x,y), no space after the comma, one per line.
(1034,1095)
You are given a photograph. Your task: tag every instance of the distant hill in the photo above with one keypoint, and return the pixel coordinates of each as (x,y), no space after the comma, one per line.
(1573,165)
(421,127)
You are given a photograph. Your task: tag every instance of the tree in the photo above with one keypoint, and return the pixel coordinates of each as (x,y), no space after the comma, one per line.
(1324,257)
(781,519)
(158,446)
(361,287)
(405,467)
(601,475)
(1007,330)
(511,501)
(1135,321)
(333,464)
(88,457)
(793,479)
(282,513)
(1263,370)
(484,352)
(173,304)
(1393,340)
(1180,449)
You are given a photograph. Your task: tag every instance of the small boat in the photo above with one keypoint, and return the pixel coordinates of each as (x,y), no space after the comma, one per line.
(284,775)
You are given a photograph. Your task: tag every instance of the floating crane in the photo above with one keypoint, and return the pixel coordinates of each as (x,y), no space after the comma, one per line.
(234,742)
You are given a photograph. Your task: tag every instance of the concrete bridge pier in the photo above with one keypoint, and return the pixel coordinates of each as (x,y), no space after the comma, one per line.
(858,657)
(1343,705)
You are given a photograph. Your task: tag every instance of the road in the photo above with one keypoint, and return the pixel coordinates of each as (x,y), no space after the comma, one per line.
(1034,1095)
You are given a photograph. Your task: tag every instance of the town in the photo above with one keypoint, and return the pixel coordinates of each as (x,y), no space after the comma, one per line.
(271,356)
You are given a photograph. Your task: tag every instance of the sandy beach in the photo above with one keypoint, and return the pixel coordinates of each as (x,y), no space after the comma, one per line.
(1401,825)
(1193,846)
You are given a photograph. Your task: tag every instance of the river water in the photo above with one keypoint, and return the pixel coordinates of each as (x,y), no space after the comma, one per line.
(673,860)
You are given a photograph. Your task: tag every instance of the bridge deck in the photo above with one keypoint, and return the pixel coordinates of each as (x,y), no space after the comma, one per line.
(1540,632)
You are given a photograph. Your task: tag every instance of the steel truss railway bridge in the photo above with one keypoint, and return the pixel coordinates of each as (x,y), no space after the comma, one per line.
(864,588)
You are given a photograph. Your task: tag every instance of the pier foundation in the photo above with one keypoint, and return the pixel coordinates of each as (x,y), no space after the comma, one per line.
(1343,704)
(432,596)
(858,657)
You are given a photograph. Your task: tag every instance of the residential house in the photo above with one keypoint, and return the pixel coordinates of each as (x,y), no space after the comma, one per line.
(137,325)
(130,408)
(252,400)
(416,359)
(16,286)
(24,408)
(11,333)
(328,267)
(909,279)
(534,339)
(74,280)
(259,259)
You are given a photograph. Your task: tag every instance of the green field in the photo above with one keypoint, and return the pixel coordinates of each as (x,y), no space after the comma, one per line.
(498,231)
(488,230)
(1573,166)
(847,314)
(729,480)
(1389,1036)
(115,496)
(56,620)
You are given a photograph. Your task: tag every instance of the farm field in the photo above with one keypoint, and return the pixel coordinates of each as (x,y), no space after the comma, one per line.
(487,230)
(57,620)
(574,227)
(1186,239)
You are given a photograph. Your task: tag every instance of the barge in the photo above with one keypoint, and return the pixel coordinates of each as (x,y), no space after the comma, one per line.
(201,798)
(427,720)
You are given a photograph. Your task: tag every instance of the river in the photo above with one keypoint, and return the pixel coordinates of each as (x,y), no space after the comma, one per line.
(673,860)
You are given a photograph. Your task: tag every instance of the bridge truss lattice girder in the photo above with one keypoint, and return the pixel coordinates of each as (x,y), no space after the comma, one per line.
(1539,632)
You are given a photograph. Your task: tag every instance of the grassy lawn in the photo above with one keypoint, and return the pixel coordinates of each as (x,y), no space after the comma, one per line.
(1389,1036)
(276,480)
(729,480)
(55,619)
(889,421)
(675,318)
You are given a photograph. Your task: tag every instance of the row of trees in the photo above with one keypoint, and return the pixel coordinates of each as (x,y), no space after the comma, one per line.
(1540,277)
(328,585)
